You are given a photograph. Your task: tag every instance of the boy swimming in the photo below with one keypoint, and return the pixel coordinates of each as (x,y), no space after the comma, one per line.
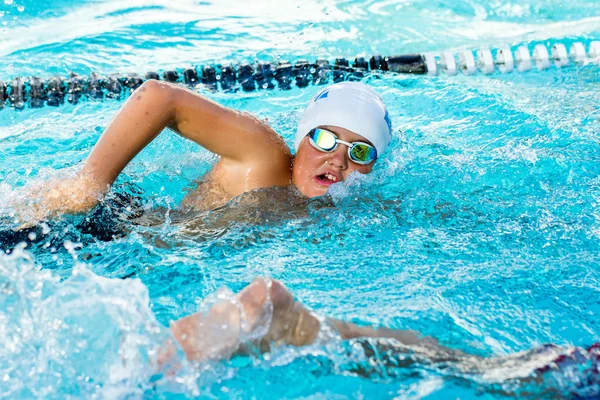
(344,128)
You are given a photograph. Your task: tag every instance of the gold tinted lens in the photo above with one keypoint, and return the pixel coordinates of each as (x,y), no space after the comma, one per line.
(362,153)
(324,139)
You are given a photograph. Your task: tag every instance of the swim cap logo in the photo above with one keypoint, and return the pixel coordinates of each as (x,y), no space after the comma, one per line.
(387,120)
(322,95)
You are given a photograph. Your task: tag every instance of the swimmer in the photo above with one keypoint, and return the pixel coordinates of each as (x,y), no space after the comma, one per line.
(344,128)
(265,314)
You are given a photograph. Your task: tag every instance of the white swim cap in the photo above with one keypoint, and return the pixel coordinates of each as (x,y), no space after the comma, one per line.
(350,105)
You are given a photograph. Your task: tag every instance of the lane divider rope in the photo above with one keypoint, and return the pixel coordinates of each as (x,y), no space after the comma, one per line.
(37,92)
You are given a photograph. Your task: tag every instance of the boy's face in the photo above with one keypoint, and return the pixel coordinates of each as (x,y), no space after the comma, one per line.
(314,171)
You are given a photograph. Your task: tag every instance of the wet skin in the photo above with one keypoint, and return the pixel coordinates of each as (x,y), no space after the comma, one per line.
(251,154)
(268,307)
(313,168)
(265,314)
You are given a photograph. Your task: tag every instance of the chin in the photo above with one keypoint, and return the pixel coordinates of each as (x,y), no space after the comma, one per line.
(311,191)
(317,192)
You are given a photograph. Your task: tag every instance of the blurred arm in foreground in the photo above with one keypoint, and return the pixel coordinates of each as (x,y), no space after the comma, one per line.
(265,314)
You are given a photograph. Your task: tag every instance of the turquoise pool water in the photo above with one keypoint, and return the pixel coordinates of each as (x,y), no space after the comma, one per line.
(479,227)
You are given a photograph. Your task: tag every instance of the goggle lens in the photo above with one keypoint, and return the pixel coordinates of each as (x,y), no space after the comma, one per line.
(360,153)
(324,139)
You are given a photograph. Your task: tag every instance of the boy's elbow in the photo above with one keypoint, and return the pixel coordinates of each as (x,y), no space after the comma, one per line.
(159,95)
(150,84)
(154,89)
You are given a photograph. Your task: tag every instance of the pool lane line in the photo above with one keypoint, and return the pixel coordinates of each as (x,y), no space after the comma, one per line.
(37,92)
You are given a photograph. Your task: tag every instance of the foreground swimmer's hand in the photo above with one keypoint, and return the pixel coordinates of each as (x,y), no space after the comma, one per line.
(49,199)
(263,313)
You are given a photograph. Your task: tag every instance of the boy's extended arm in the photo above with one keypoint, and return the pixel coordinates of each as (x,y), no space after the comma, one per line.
(236,137)
(242,141)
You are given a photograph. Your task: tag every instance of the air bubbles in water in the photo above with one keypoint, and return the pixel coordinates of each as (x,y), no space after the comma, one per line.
(344,189)
(8,2)
(21,8)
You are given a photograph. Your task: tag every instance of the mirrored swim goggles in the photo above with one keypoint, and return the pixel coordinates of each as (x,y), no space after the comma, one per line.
(326,141)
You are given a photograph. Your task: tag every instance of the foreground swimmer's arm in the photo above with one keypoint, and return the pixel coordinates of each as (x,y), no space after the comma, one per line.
(229,326)
(252,154)
(265,313)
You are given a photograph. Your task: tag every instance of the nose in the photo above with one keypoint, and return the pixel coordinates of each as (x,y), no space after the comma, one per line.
(339,158)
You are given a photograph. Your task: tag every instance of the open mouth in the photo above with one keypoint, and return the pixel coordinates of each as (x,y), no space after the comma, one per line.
(327,179)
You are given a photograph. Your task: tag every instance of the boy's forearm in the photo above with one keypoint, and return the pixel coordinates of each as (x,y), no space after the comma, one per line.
(145,114)
(348,330)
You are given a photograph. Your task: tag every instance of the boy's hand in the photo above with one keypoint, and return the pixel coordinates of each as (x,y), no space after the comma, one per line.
(55,197)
